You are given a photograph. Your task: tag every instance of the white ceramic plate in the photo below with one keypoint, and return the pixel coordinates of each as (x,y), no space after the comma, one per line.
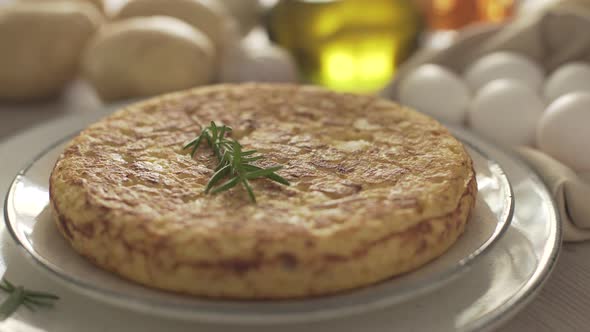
(494,289)
(29,220)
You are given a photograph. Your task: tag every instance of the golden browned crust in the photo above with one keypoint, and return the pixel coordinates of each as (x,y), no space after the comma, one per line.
(377,190)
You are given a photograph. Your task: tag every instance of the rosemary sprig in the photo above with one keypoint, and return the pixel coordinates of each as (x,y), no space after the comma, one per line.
(234,163)
(18,296)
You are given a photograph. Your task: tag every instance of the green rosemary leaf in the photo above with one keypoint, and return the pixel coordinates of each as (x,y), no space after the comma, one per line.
(5,288)
(262,172)
(249,189)
(223,131)
(220,174)
(233,161)
(11,304)
(223,162)
(275,177)
(237,155)
(29,306)
(251,159)
(191,143)
(213,131)
(195,145)
(208,138)
(227,185)
(19,296)
(227,144)
(41,295)
(251,168)
(8,284)
(39,303)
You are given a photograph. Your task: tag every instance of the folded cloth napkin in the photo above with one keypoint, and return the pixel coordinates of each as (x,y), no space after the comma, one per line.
(570,191)
(553,36)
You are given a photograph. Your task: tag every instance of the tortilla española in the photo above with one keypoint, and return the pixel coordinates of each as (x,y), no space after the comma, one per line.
(376,190)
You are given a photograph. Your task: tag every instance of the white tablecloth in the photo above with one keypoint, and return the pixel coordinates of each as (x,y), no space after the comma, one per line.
(563,305)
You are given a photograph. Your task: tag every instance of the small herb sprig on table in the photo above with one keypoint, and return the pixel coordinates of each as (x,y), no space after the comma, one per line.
(234,162)
(18,296)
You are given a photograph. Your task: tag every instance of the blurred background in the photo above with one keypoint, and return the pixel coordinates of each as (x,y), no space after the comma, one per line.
(346,45)
(65,56)
(356,45)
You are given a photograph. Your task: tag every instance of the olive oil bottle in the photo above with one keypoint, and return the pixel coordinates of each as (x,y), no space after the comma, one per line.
(346,45)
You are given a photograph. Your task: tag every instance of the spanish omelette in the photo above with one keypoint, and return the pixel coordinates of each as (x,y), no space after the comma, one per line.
(376,190)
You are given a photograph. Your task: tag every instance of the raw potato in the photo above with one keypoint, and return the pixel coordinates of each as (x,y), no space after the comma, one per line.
(147,56)
(208,16)
(99,4)
(41,47)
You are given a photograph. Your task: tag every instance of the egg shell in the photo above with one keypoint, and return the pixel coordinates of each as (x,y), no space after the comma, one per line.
(571,77)
(246,12)
(504,65)
(564,130)
(264,63)
(436,91)
(507,112)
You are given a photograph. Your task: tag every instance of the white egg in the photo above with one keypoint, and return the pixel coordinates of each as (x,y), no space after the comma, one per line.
(568,78)
(564,130)
(507,112)
(501,65)
(436,91)
(246,12)
(264,63)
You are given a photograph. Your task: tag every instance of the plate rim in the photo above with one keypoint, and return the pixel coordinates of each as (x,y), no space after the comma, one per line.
(258,318)
(530,289)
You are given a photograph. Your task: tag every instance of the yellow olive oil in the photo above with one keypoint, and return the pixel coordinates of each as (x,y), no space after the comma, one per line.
(347,45)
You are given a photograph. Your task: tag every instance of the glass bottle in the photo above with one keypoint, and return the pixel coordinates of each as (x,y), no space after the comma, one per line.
(347,45)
